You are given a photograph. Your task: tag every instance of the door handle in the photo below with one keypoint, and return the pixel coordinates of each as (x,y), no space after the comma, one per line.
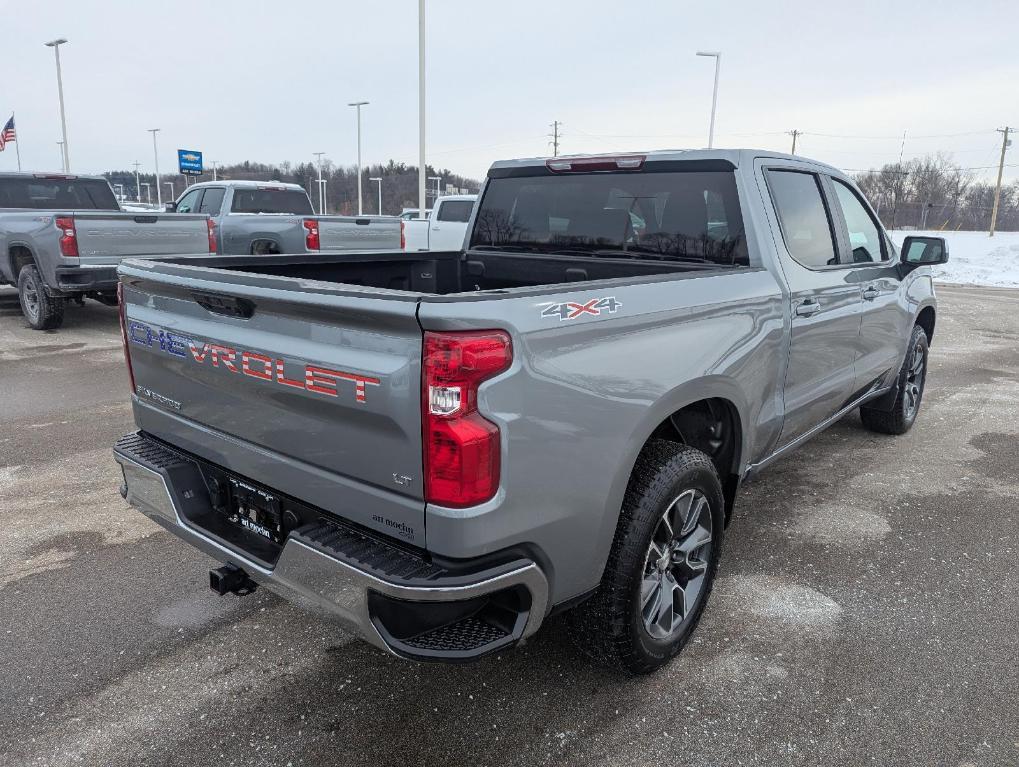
(871,293)
(808,308)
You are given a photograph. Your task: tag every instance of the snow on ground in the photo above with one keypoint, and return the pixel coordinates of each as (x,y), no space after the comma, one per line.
(976,259)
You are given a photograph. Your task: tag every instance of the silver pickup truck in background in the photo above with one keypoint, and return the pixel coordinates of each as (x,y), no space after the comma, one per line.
(441,449)
(270,217)
(62,237)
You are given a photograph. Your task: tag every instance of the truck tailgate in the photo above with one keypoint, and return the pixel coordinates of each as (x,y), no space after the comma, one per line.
(359,233)
(106,238)
(313,394)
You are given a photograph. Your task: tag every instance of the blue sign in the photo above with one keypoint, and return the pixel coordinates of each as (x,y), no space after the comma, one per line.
(190,162)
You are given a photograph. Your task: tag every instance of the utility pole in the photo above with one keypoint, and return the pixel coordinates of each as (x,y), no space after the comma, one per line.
(555,138)
(137,182)
(55,45)
(358,105)
(795,134)
(321,196)
(422,199)
(1001,169)
(155,157)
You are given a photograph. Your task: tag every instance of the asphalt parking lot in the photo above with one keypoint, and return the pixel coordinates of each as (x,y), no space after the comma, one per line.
(867,610)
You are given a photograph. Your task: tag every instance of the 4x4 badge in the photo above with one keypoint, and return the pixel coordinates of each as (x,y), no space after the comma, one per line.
(570,310)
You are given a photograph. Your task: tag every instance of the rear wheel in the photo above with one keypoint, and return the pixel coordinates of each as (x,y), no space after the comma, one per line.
(662,563)
(42,311)
(911,381)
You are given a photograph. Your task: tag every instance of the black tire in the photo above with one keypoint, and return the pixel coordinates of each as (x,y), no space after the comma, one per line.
(612,626)
(910,385)
(42,311)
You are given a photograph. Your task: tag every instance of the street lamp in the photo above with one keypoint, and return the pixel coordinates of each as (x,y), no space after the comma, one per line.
(379,180)
(148,192)
(322,183)
(421,109)
(155,156)
(55,45)
(63,161)
(213,164)
(137,184)
(714,94)
(437,180)
(169,184)
(358,105)
(321,189)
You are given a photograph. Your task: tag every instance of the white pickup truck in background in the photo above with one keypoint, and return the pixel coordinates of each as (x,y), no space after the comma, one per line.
(445,227)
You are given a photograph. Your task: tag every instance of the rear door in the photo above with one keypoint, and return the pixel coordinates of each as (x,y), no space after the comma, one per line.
(106,238)
(824,299)
(285,382)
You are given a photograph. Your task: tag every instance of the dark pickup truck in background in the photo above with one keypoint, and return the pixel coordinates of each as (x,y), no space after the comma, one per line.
(440,449)
(62,237)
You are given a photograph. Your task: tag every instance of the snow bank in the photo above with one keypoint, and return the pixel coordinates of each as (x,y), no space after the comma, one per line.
(976,259)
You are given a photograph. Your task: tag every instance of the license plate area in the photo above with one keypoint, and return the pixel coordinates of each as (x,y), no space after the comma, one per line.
(255,510)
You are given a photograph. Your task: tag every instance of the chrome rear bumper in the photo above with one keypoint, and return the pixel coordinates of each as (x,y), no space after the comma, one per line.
(316,579)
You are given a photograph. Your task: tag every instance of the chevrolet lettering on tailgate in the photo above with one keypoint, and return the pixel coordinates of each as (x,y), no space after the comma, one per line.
(313,378)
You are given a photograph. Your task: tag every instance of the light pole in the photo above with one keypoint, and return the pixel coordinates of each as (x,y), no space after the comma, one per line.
(63,160)
(55,45)
(358,105)
(148,192)
(321,189)
(137,185)
(169,184)
(213,163)
(322,182)
(155,156)
(714,94)
(437,180)
(379,180)
(421,109)
(120,191)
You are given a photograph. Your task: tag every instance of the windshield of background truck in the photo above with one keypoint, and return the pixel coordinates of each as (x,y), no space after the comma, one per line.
(292,201)
(671,216)
(57,194)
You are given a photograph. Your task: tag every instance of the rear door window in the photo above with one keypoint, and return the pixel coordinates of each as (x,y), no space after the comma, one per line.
(57,193)
(806,227)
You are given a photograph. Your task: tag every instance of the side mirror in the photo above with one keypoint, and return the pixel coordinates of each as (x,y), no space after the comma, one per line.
(171,207)
(924,251)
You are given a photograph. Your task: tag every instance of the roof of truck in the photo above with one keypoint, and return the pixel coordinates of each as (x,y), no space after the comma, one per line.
(735,157)
(248,184)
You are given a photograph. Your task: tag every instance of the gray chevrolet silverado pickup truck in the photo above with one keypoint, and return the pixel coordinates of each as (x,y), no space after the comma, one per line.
(442,449)
(267,217)
(61,238)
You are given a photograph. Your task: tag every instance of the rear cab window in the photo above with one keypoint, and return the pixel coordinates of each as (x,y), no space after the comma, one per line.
(212,201)
(57,193)
(652,214)
(271,200)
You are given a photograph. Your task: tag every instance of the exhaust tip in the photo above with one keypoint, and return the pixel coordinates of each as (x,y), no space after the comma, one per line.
(230,579)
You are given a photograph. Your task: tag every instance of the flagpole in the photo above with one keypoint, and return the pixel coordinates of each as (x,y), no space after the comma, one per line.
(17,143)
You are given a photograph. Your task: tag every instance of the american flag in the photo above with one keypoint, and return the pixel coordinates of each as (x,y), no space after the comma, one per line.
(8,134)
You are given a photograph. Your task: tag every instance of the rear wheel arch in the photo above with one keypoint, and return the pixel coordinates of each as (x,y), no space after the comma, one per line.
(19,256)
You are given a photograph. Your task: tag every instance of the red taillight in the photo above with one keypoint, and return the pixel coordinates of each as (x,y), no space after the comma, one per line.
(588,164)
(68,237)
(122,310)
(311,241)
(403,234)
(212,235)
(461,448)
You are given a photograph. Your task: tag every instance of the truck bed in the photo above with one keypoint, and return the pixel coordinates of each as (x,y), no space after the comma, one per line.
(435,273)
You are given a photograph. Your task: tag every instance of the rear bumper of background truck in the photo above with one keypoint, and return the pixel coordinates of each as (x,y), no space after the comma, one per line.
(100,277)
(394,598)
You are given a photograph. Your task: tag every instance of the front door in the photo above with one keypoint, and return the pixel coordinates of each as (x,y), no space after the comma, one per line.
(825,303)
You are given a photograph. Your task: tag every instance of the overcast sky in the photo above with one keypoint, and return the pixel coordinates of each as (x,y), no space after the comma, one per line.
(269,81)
